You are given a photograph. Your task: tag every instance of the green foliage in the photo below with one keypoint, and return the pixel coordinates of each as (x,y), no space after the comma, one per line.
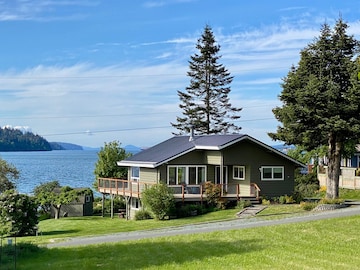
(306,185)
(58,196)
(308,206)
(142,214)
(205,103)
(44,188)
(243,204)
(159,199)
(106,166)
(118,201)
(320,99)
(331,201)
(213,193)
(8,175)
(265,201)
(18,214)
(16,140)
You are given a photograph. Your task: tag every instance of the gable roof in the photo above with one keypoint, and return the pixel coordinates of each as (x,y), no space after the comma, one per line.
(180,145)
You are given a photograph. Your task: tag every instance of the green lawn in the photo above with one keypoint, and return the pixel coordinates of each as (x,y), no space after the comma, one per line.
(57,230)
(327,244)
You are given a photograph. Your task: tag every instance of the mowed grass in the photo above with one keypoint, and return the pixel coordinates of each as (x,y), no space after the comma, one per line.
(326,244)
(51,230)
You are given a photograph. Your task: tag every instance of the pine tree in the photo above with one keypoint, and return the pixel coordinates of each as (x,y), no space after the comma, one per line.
(321,99)
(205,103)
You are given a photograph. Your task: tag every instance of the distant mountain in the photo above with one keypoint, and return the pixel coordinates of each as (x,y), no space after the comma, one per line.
(132,149)
(65,146)
(283,147)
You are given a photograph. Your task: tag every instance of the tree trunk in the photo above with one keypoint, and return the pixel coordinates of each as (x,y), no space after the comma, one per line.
(57,211)
(333,174)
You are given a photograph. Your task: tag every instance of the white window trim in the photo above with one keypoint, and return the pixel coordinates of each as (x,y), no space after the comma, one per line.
(239,167)
(186,172)
(272,173)
(133,202)
(134,178)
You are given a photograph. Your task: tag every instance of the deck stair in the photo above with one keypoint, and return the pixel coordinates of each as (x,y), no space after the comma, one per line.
(250,211)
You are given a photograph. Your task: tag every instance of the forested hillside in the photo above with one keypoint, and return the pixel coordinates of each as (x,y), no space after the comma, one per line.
(16,140)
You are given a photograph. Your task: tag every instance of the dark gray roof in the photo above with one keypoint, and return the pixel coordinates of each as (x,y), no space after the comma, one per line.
(180,145)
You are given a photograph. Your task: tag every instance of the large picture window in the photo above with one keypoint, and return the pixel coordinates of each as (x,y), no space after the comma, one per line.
(192,175)
(239,172)
(272,173)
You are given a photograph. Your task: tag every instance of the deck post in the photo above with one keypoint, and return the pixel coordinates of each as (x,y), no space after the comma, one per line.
(112,205)
(103,205)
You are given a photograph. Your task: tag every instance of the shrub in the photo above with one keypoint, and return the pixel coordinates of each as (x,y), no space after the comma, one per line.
(308,206)
(213,193)
(265,201)
(159,199)
(306,185)
(18,214)
(142,215)
(282,200)
(243,204)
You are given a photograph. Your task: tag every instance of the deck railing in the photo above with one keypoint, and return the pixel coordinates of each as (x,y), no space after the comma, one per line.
(185,192)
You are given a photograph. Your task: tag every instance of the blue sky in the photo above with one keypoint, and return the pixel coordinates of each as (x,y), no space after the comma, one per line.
(95,71)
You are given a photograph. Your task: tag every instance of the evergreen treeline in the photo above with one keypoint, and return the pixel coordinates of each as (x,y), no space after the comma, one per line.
(16,140)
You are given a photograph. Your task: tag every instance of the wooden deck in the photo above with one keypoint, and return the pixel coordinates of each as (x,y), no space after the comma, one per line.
(183,193)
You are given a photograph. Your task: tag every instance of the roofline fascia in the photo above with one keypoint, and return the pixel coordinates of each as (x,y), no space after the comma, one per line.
(136,164)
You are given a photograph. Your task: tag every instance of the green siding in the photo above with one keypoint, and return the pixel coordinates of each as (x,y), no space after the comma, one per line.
(148,175)
(253,157)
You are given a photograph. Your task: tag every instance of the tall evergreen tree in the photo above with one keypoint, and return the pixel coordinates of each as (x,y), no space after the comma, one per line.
(321,99)
(205,103)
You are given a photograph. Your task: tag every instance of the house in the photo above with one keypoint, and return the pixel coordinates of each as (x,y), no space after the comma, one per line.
(243,166)
(83,206)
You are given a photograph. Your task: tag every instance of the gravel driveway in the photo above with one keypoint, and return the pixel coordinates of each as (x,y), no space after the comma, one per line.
(207,227)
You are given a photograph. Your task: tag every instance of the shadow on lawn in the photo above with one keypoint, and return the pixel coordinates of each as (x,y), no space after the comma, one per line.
(144,254)
(59,232)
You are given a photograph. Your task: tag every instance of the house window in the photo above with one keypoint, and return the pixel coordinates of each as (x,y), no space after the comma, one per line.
(218,179)
(135,173)
(135,203)
(272,173)
(239,172)
(87,198)
(192,175)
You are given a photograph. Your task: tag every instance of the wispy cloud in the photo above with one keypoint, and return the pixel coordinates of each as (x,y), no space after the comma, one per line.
(38,10)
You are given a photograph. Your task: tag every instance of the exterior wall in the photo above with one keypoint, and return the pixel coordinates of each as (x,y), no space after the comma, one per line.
(148,175)
(213,157)
(75,209)
(253,157)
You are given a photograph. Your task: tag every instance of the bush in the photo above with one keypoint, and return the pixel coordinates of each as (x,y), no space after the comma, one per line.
(308,206)
(213,194)
(243,204)
(142,215)
(265,201)
(18,214)
(305,186)
(159,199)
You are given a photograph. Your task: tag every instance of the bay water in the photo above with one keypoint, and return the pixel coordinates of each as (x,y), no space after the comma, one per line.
(74,168)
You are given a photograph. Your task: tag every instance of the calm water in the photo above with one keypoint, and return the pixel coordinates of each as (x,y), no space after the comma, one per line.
(70,168)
